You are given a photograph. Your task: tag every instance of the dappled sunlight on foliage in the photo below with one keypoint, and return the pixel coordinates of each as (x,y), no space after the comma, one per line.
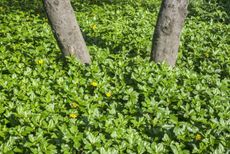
(121,103)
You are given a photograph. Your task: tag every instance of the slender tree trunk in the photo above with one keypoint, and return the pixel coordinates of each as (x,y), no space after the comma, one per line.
(66,30)
(166,36)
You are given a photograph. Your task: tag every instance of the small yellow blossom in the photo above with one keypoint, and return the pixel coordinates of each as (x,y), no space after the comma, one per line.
(73,115)
(198,137)
(40,61)
(94,84)
(109,94)
(74,105)
(94,26)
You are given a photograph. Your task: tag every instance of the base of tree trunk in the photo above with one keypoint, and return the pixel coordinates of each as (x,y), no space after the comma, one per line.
(66,29)
(166,36)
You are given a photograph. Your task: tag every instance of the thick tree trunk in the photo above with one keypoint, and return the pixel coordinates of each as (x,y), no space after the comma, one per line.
(166,36)
(66,30)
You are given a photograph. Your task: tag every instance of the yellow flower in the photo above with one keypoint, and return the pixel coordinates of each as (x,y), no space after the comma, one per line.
(109,94)
(94,84)
(40,61)
(94,26)
(74,105)
(198,137)
(73,115)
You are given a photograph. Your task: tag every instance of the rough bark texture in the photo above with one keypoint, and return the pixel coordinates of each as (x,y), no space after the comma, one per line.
(66,29)
(166,36)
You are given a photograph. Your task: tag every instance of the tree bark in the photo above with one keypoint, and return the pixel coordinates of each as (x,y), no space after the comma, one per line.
(166,36)
(66,29)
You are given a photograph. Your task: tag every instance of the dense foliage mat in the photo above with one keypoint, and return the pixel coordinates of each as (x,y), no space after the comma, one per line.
(121,103)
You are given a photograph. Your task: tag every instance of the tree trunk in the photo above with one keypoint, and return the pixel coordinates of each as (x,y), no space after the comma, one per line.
(66,30)
(166,36)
